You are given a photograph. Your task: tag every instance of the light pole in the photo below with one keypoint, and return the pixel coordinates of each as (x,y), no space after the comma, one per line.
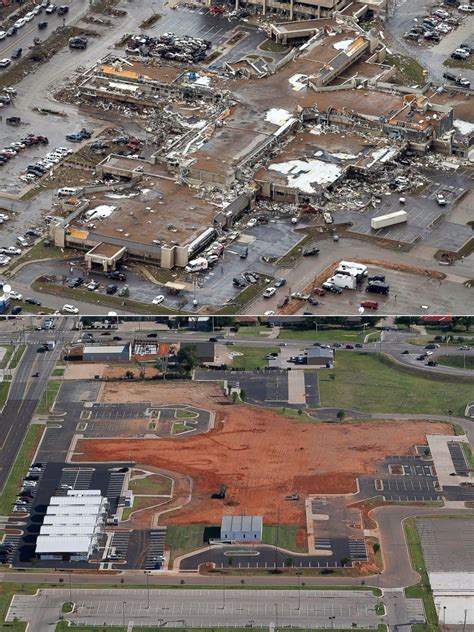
(124,603)
(223,592)
(147,590)
(276,617)
(444,616)
(70,588)
(331,619)
(299,591)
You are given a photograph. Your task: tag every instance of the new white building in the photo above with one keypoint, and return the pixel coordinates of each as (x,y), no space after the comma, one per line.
(242,528)
(72,526)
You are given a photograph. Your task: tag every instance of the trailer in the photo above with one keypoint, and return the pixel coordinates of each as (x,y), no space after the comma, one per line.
(388,220)
(344,281)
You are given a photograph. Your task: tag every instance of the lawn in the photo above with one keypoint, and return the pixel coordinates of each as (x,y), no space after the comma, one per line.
(371,382)
(257,332)
(273,47)
(409,70)
(466,448)
(39,251)
(284,536)
(459,362)
(19,351)
(184,414)
(185,538)
(48,398)
(180,426)
(462,64)
(423,589)
(154,484)
(246,296)
(20,468)
(4,390)
(325,335)
(6,356)
(251,358)
(59,371)
(140,502)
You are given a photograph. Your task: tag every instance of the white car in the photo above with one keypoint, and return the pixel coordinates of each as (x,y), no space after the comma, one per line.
(443,28)
(70,309)
(93,285)
(29,16)
(11,250)
(441,199)
(5,62)
(4,260)
(252,222)
(466,8)
(19,23)
(158,299)
(269,313)
(16,296)
(269,292)
(328,218)
(3,35)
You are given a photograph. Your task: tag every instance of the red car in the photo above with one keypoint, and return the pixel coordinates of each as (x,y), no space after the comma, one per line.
(319,291)
(370,304)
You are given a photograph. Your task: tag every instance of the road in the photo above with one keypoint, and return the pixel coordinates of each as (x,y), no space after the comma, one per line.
(25,392)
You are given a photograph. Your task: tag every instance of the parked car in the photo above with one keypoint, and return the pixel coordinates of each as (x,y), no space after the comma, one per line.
(269,292)
(279,282)
(158,299)
(369,304)
(33,301)
(111,289)
(117,276)
(310,252)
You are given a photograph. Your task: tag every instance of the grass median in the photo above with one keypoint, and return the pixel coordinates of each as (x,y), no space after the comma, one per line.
(370,382)
(48,397)
(246,296)
(422,590)
(458,362)
(250,358)
(20,468)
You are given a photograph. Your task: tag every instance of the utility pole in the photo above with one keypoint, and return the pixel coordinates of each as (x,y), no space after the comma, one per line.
(70,588)
(223,592)
(148,590)
(124,603)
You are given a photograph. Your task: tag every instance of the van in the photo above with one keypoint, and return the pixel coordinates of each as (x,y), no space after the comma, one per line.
(67,191)
(378,288)
(22,241)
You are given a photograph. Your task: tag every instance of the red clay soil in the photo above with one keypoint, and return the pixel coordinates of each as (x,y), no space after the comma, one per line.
(260,455)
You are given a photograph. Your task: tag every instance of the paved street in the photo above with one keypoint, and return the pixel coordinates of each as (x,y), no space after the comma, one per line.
(202,608)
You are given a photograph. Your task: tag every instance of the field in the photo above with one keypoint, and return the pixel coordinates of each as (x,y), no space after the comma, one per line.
(368,383)
(459,362)
(258,454)
(251,357)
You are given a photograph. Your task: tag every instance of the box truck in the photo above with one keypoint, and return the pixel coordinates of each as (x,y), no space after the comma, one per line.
(388,220)
(201,263)
(344,281)
(353,269)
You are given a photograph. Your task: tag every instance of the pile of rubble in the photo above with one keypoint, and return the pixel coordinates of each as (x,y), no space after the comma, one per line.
(169,46)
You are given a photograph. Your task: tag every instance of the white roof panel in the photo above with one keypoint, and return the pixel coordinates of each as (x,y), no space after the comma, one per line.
(67,544)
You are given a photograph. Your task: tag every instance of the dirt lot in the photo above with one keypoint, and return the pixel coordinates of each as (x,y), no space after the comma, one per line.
(249,451)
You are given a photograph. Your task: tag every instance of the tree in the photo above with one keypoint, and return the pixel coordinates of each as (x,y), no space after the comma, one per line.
(187,358)
(341,414)
(344,561)
(235,397)
(376,547)
(129,375)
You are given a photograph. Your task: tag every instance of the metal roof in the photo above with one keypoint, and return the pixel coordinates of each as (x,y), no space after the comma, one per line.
(318,352)
(105,349)
(241,523)
(65,544)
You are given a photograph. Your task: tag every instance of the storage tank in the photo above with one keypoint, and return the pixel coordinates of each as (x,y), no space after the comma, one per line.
(388,220)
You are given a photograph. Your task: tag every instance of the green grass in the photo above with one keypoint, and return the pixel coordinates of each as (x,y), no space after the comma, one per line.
(423,589)
(6,356)
(462,64)
(154,484)
(380,609)
(372,383)
(4,390)
(246,296)
(185,538)
(180,426)
(409,70)
(93,298)
(49,395)
(19,351)
(284,535)
(184,414)
(273,47)
(324,335)
(62,626)
(252,358)
(466,448)
(31,309)
(67,607)
(256,331)
(39,251)
(293,413)
(19,469)
(456,361)
(139,502)
(57,372)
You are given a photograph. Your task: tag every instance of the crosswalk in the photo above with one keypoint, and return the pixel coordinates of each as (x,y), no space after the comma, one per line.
(154,558)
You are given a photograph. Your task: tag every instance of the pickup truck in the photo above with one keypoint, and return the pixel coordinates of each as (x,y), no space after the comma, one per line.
(78,137)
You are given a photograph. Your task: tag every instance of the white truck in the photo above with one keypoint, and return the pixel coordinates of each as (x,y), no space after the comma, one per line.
(382,221)
(353,269)
(201,263)
(344,281)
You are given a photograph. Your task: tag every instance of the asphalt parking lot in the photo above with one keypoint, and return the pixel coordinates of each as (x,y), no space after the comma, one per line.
(97,476)
(445,542)
(269,387)
(202,608)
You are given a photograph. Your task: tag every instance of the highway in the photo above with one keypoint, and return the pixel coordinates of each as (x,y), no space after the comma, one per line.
(25,392)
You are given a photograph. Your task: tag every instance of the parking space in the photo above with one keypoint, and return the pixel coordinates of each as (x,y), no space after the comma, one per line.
(459,461)
(156,549)
(266,386)
(410,489)
(311,385)
(445,542)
